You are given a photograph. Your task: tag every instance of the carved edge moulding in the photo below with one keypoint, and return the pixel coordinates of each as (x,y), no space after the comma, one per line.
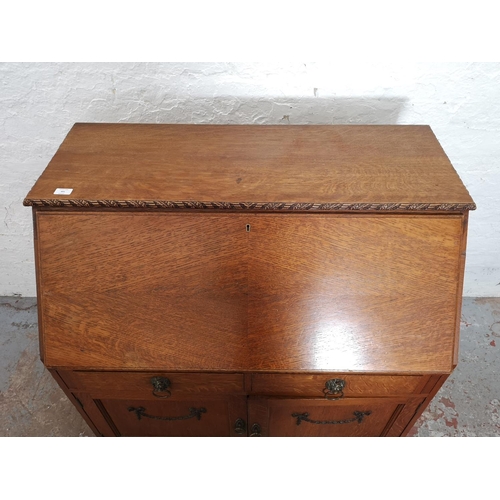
(268,206)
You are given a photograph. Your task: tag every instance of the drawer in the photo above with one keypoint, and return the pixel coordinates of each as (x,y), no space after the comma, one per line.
(154,385)
(333,385)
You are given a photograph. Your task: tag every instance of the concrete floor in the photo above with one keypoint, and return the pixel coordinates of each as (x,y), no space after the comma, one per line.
(32,404)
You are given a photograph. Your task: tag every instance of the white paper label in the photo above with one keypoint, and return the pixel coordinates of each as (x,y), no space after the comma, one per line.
(63,191)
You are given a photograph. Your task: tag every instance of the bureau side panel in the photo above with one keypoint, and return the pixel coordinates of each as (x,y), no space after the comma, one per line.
(38,284)
(460,284)
(143,291)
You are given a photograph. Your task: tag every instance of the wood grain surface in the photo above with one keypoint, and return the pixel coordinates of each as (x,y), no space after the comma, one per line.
(281,422)
(143,291)
(312,385)
(353,293)
(197,292)
(217,420)
(272,167)
(122,385)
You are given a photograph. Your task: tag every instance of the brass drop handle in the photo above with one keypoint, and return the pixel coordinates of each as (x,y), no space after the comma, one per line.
(256,431)
(334,387)
(193,413)
(358,417)
(240,426)
(161,387)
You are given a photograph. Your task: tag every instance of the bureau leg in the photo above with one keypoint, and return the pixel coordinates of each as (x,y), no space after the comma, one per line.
(85,408)
(424,405)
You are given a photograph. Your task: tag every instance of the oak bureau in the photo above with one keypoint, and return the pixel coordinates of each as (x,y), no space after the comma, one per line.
(234,280)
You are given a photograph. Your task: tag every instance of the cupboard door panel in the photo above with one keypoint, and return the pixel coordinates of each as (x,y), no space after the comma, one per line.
(190,418)
(368,417)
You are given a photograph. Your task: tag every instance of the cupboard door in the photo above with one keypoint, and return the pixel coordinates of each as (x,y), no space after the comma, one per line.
(189,418)
(363,417)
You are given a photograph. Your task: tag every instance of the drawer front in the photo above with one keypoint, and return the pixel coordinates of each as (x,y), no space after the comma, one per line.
(153,386)
(335,385)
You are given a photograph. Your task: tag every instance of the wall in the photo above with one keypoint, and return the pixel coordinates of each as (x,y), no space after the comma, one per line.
(39,103)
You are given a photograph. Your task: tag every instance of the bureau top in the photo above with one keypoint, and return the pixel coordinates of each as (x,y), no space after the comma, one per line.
(252,167)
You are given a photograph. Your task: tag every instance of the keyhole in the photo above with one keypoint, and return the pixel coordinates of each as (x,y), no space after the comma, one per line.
(248,228)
